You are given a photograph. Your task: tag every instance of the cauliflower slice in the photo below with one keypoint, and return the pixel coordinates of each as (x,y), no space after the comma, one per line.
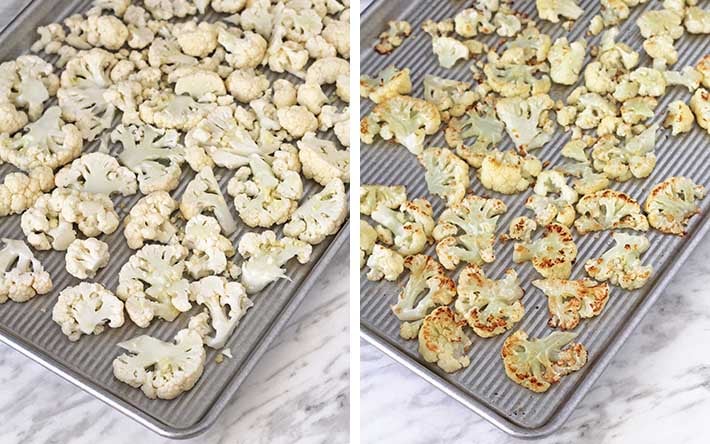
(86,257)
(226,302)
(209,250)
(608,210)
(552,9)
(23,276)
(322,161)
(97,173)
(515,78)
(635,158)
(320,216)
(443,341)
(566,60)
(672,203)
(20,191)
(527,121)
(86,309)
(536,364)
(265,256)
(161,369)
(390,82)
(553,199)
(384,263)
(489,306)
(368,238)
(552,255)
(26,83)
(411,225)
(202,195)
(700,104)
(507,172)
(372,196)
(621,265)
(697,20)
(405,120)
(480,123)
(446,174)
(477,218)
(149,219)
(680,118)
(393,36)
(166,110)
(428,286)
(151,284)
(452,97)
(570,301)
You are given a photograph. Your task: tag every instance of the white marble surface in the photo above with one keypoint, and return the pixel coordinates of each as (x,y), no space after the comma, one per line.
(657,389)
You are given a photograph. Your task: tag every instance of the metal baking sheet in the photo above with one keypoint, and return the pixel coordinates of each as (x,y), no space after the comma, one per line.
(483,386)
(29,328)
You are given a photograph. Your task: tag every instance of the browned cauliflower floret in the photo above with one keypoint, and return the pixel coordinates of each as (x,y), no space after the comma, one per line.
(371,196)
(607,210)
(672,203)
(443,341)
(552,255)
(621,265)
(409,228)
(390,82)
(482,125)
(570,301)
(446,174)
(428,286)
(393,37)
(507,172)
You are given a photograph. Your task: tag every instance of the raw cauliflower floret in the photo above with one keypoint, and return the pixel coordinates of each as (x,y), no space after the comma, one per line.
(152,285)
(507,172)
(621,264)
(202,195)
(86,257)
(390,82)
(569,301)
(409,228)
(23,276)
(265,256)
(11,119)
(680,118)
(700,104)
(452,97)
(196,39)
(608,210)
(526,120)
(635,158)
(93,214)
(106,31)
(536,364)
(322,161)
(480,123)
(297,120)
(552,255)
(319,216)
(87,309)
(20,191)
(428,286)
(229,6)
(226,302)
(697,20)
(208,249)
(368,238)
(489,306)
(97,173)
(200,84)
(49,142)
(25,85)
(443,341)
(330,117)
(149,219)
(246,84)
(166,110)
(44,225)
(553,199)
(161,369)
(244,49)
(393,37)
(372,196)
(403,119)
(672,203)
(446,174)
(312,97)
(566,60)
(476,217)
(552,9)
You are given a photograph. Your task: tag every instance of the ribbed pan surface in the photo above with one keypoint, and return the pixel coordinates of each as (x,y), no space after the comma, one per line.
(484,382)
(89,359)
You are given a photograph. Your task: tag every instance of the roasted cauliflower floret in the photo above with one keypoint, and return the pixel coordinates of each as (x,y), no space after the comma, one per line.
(320,216)
(697,20)
(428,286)
(700,104)
(552,9)
(536,364)
(390,82)
(22,276)
(553,199)
(521,228)
(371,196)
(607,210)
(552,255)
(507,172)
(634,158)
(384,263)
(85,258)
(322,161)
(209,250)
(480,123)
(452,97)
(448,50)
(489,306)
(443,341)
(408,228)
(87,309)
(97,173)
(566,60)
(202,195)
(526,120)
(672,203)
(446,174)
(570,301)
(393,36)
(226,302)
(679,118)
(368,239)
(621,265)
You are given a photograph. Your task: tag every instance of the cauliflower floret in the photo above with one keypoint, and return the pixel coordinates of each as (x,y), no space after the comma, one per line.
(229,6)
(372,196)
(200,84)
(468,22)
(85,257)
(168,111)
(450,96)
(489,306)
(508,173)
(23,276)
(443,341)
(167,9)
(526,120)
(660,48)
(44,225)
(480,123)
(330,117)
(703,67)
(312,97)
(151,284)
(319,216)
(672,203)
(688,77)
(521,228)
(552,255)
(322,161)
(638,109)
(621,265)
(427,287)
(660,22)
(202,195)
(284,93)
(86,309)
(592,109)
(209,249)
(368,238)
(446,174)
(93,214)
(570,301)
(608,210)
(257,16)
(393,37)
(697,20)
(11,119)
(384,263)
(390,82)
(552,9)
(598,78)
(515,78)
(297,121)
(588,181)
(106,31)
(20,191)
(700,104)
(197,40)
(536,364)
(404,119)
(25,84)
(47,142)
(651,81)
(477,218)
(246,84)
(507,24)
(636,158)
(448,50)
(226,302)
(411,225)
(680,118)
(244,49)
(265,256)
(553,200)
(97,173)
(149,219)
(566,60)
(161,369)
